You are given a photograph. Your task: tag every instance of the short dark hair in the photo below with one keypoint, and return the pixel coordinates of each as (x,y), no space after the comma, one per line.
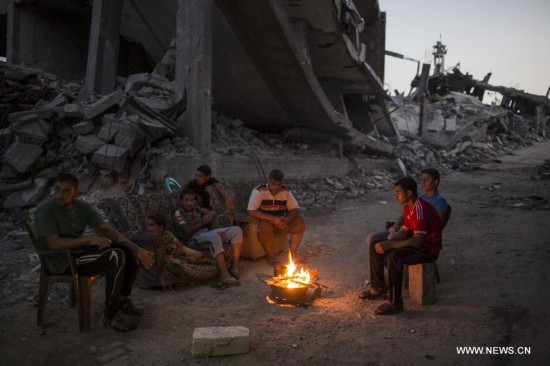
(408,184)
(159,219)
(185,192)
(205,169)
(433,173)
(277,175)
(69,178)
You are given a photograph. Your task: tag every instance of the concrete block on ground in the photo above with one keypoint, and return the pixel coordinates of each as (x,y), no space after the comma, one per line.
(27,197)
(8,172)
(73,110)
(104,104)
(31,129)
(43,113)
(83,128)
(130,136)
(22,156)
(220,341)
(111,157)
(422,283)
(88,144)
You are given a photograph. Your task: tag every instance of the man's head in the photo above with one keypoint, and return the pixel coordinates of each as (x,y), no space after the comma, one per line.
(405,190)
(430,180)
(202,174)
(187,199)
(66,189)
(156,223)
(275,181)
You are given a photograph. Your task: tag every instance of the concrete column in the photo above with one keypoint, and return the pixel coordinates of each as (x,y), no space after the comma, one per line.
(13,33)
(194,70)
(101,69)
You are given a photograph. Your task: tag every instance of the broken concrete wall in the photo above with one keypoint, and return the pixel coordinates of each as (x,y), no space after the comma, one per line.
(52,36)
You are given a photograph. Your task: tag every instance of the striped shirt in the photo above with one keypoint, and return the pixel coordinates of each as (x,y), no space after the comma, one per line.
(262,200)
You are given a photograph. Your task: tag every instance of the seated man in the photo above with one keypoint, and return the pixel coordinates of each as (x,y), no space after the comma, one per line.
(430,181)
(276,208)
(192,223)
(60,224)
(422,226)
(203,183)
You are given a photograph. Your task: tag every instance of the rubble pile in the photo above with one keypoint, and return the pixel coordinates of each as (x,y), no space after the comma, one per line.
(114,138)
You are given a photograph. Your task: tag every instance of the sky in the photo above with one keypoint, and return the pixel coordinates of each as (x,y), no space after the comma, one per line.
(511,38)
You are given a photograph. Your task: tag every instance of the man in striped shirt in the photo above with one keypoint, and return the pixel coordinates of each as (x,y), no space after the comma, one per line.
(276,208)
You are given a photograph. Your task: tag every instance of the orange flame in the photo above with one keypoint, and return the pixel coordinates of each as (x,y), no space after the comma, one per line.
(302,276)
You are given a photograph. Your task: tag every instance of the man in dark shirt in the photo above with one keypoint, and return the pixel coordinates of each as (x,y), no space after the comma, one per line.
(204,185)
(60,224)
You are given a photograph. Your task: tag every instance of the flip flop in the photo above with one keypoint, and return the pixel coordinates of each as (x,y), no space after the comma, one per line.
(219,285)
(367,295)
(234,272)
(231,282)
(389,309)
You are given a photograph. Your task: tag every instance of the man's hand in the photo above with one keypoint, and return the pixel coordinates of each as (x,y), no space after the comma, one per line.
(100,241)
(382,247)
(230,207)
(280,223)
(208,217)
(144,258)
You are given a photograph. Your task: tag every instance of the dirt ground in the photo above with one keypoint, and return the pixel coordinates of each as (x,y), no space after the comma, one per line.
(492,292)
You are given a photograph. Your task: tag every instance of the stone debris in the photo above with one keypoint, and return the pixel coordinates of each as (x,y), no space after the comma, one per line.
(220,341)
(126,132)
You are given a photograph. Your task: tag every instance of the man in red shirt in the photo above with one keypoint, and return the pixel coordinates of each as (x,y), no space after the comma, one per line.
(422,224)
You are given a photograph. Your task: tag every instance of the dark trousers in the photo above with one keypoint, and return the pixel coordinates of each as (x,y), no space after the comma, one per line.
(395,259)
(118,266)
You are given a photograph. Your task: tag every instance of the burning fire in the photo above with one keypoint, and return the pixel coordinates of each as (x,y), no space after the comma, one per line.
(294,278)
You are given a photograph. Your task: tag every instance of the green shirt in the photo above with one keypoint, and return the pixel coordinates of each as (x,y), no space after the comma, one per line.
(50,219)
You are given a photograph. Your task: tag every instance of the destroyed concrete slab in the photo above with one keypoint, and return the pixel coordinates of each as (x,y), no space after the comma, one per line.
(103,104)
(31,129)
(22,156)
(87,144)
(73,110)
(83,128)
(27,197)
(111,157)
(220,341)
(43,113)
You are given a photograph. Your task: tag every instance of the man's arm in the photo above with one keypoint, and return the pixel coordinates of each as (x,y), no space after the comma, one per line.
(142,256)
(191,229)
(56,242)
(414,242)
(228,202)
(397,225)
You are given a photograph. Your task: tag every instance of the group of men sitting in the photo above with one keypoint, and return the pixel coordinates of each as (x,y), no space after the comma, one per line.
(60,224)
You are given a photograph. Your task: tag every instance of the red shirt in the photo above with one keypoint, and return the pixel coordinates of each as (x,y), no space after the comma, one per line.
(424,219)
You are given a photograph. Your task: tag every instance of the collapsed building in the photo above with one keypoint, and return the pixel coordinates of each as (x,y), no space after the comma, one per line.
(242,86)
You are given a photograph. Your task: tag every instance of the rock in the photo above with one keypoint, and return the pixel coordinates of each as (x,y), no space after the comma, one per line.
(220,341)
(83,128)
(88,144)
(22,156)
(111,157)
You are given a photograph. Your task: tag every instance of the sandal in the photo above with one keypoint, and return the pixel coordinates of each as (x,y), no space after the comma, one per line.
(127,307)
(231,282)
(389,309)
(120,323)
(219,285)
(378,295)
(234,272)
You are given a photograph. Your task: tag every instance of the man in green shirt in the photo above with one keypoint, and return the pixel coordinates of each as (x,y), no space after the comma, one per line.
(60,224)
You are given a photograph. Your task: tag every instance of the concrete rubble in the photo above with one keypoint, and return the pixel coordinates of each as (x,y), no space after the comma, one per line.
(121,133)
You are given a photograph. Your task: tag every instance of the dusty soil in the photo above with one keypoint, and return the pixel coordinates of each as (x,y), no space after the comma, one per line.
(492,292)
